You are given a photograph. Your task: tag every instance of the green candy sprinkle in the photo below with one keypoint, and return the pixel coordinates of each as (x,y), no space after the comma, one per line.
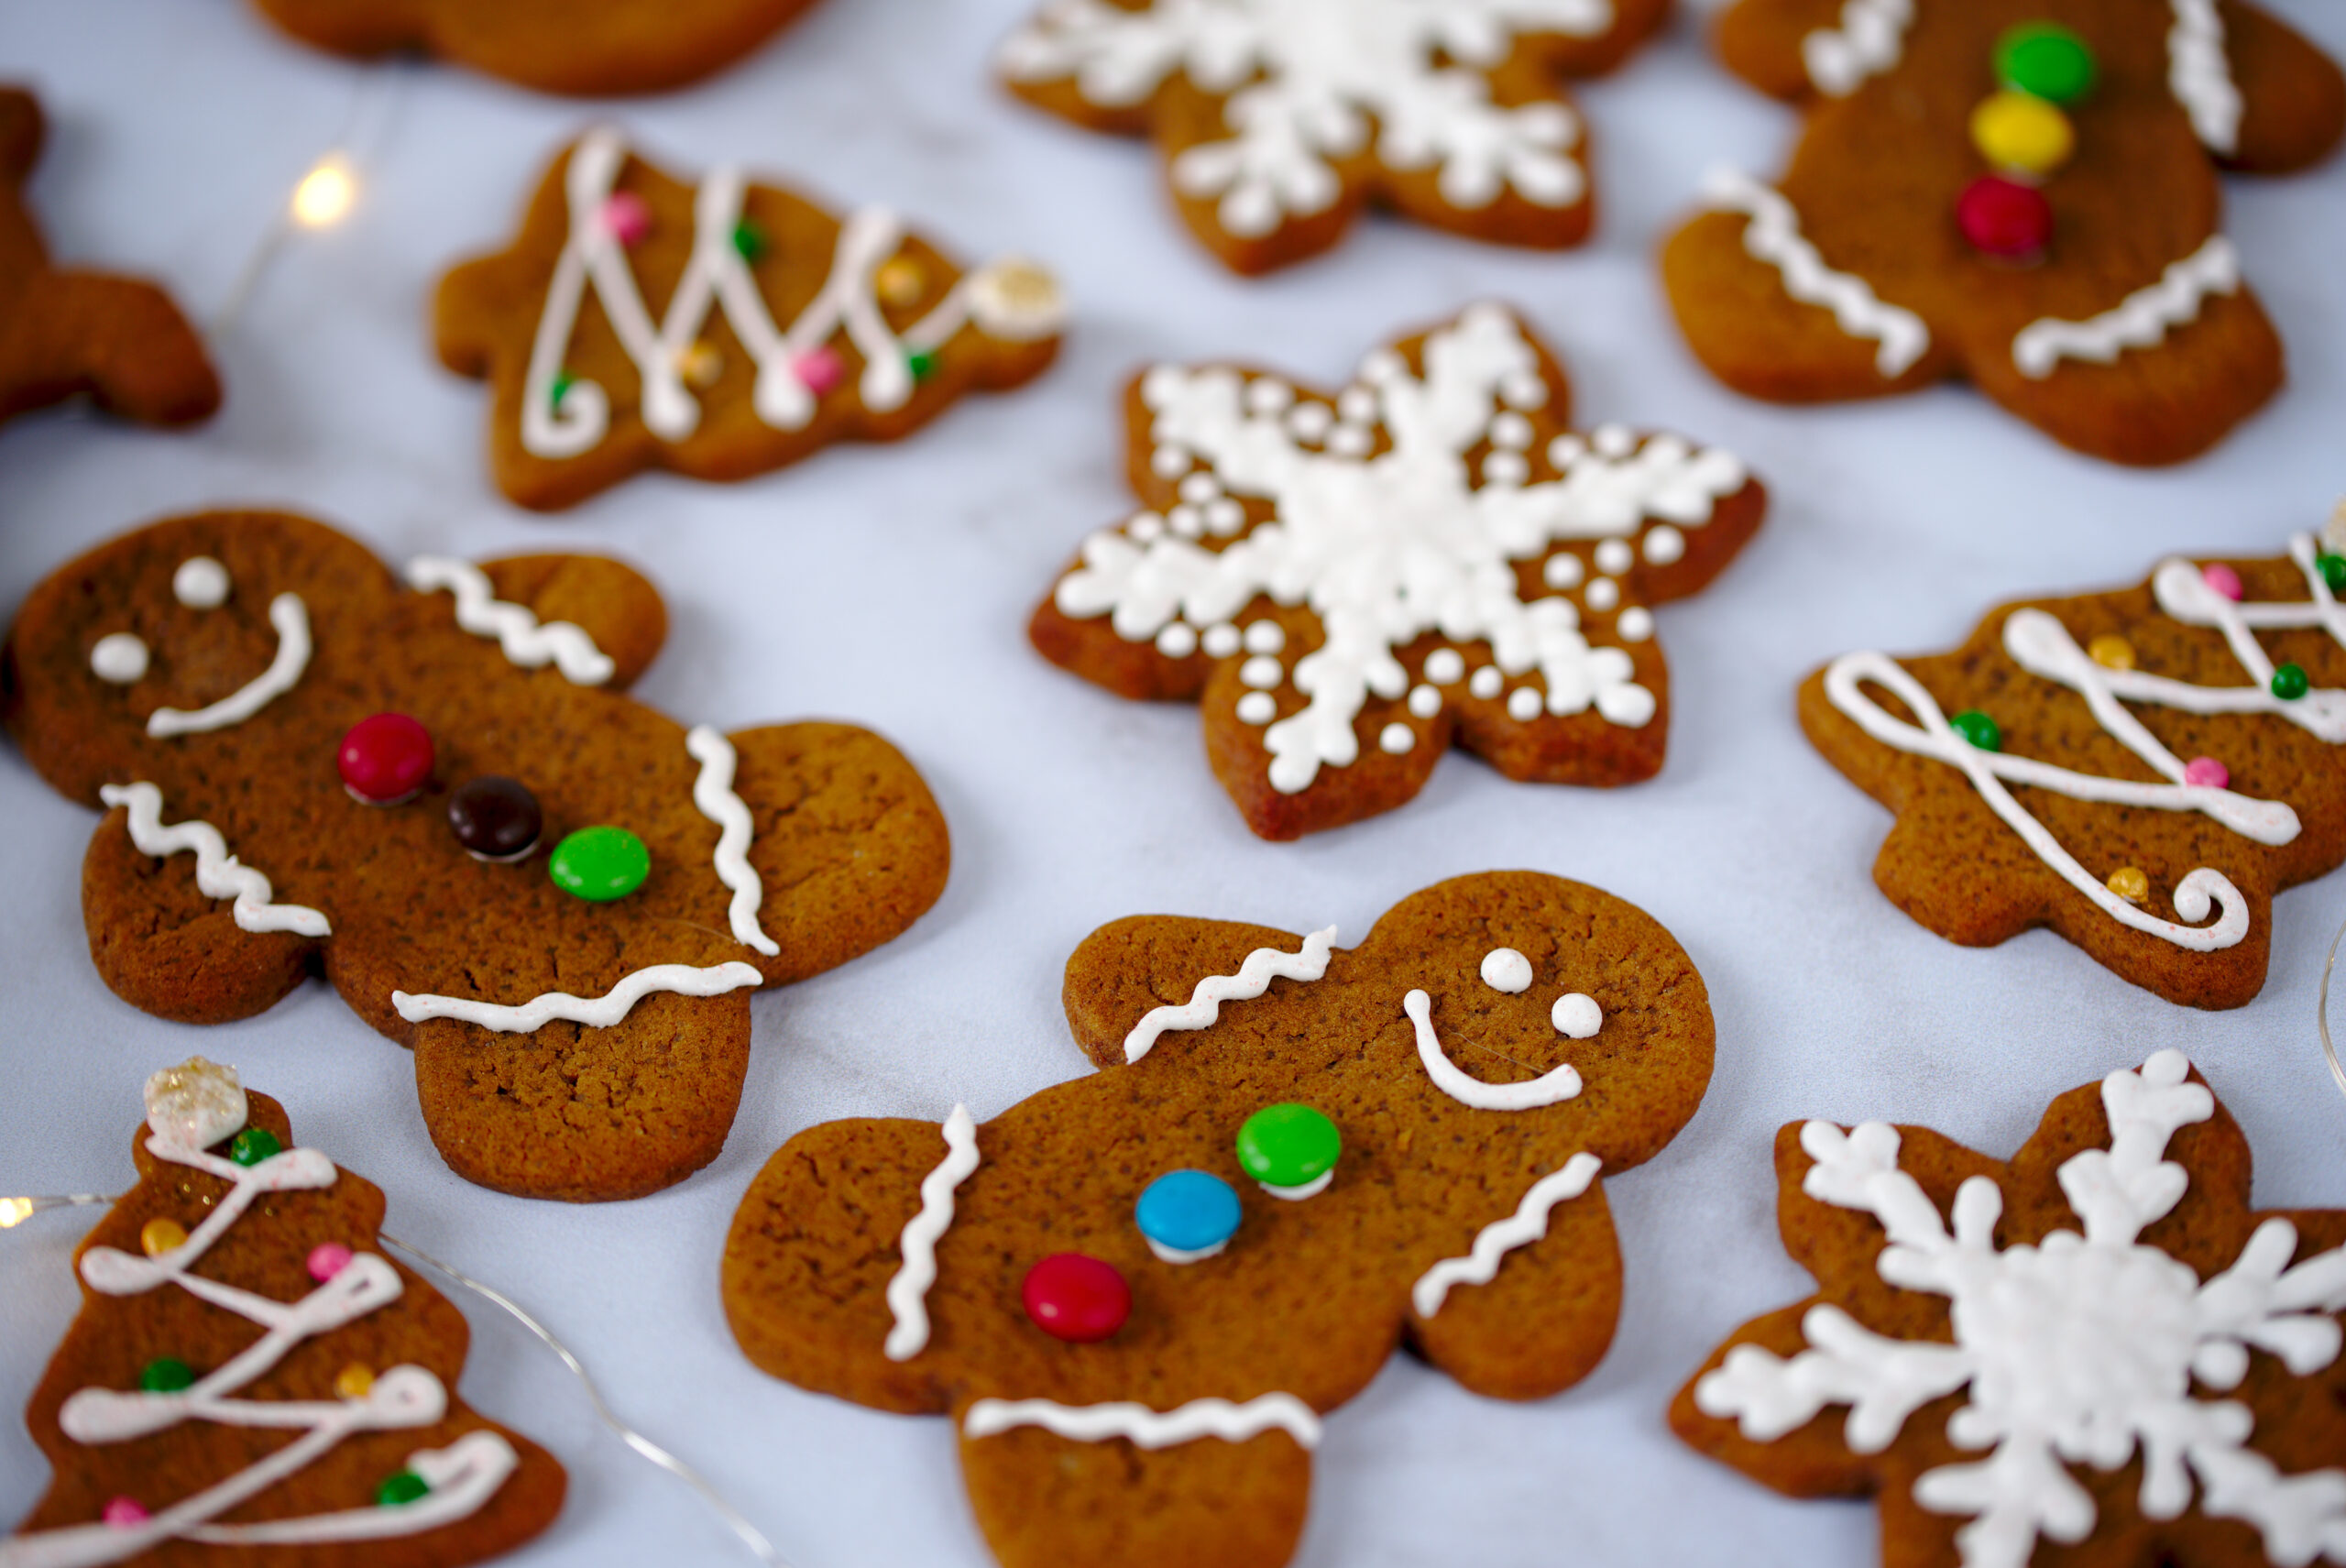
(922,363)
(165,1374)
(748,239)
(560,389)
(2045,61)
(2333,571)
(1289,1145)
(599,863)
(253,1146)
(1979,728)
(2290,682)
(404,1487)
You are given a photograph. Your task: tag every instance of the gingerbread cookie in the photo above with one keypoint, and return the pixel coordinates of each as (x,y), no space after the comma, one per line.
(1350,584)
(783,330)
(65,333)
(1279,119)
(2108,1359)
(251,1382)
(2140,770)
(2022,192)
(590,48)
(1138,1293)
(436,793)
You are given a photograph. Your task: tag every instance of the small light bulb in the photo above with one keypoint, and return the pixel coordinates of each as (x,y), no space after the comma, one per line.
(15,1211)
(323,197)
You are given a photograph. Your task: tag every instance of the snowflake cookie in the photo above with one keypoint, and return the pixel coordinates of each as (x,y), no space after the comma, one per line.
(1352,583)
(435,792)
(1137,1294)
(719,331)
(1279,119)
(2141,770)
(2022,192)
(250,1381)
(2095,1353)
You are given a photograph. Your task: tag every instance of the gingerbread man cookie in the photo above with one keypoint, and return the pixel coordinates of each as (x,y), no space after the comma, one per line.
(1138,1294)
(2096,1354)
(1280,119)
(2140,770)
(783,329)
(1352,583)
(251,1382)
(590,48)
(435,792)
(64,333)
(2023,192)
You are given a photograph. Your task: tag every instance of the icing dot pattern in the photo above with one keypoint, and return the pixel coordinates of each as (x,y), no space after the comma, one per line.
(200,583)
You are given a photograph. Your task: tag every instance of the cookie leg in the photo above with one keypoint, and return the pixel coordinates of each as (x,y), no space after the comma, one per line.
(122,341)
(1543,1321)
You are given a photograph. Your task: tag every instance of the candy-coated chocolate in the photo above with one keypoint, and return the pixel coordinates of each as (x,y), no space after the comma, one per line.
(2130,883)
(599,863)
(385,758)
(1188,1212)
(165,1374)
(159,1235)
(1979,728)
(326,1260)
(1076,1298)
(2290,683)
(2004,219)
(2111,651)
(2046,60)
(495,817)
(1288,1146)
(253,1146)
(404,1487)
(2022,134)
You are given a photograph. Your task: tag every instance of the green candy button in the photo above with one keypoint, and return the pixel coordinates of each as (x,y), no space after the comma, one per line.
(404,1487)
(165,1374)
(1979,728)
(2045,61)
(2333,571)
(599,863)
(1287,1146)
(2290,682)
(253,1146)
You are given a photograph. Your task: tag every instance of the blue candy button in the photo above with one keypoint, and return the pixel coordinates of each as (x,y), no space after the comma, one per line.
(1188,1215)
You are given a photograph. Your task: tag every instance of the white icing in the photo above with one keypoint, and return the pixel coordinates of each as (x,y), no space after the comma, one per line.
(2200,74)
(1311,1188)
(195,1104)
(1145,1428)
(119,658)
(1869,41)
(595,1011)
(526,642)
(1184,1256)
(1309,83)
(292,620)
(1576,1016)
(1253,978)
(2077,1350)
(200,583)
(713,794)
(1550,1088)
(1506,970)
(1496,1240)
(218,873)
(1773,236)
(1385,549)
(2142,320)
(908,1291)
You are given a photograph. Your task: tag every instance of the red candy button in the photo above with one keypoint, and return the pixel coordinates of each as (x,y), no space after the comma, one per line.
(384,760)
(2005,218)
(1076,1298)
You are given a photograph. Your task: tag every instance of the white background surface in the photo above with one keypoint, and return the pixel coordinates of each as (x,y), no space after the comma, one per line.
(891,586)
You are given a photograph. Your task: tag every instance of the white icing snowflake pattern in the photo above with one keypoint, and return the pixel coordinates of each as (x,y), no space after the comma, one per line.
(1308,82)
(2078,1350)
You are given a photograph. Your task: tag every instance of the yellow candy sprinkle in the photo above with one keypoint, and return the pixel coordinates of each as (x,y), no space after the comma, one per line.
(900,281)
(353,1381)
(2129,883)
(2021,135)
(2111,651)
(700,364)
(158,1236)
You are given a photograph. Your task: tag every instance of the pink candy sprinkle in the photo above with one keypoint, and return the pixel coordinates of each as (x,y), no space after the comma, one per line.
(625,218)
(125,1513)
(2206,773)
(2223,579)
(820,370)
(328,1259)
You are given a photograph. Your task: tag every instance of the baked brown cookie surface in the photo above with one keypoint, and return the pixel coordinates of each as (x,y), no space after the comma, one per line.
(1279,120)
(1137,1293)
(1350,584)
(250,1382)
(234,688)
(590,48)
(2020,193)
(779,327)
(66,333)
(2095,1353)
(2141,770)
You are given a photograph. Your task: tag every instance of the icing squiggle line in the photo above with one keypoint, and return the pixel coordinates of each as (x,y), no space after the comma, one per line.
(2185,594)
(1987,769)
(2142,320)
(1869,41)
(1550,1088)
(2200,74)
(908,1291)
(1253,978)
(713,794)
(1773,236)
(1145,1428)
(1496,1240)
(595,1011)
(527,643)
(218,873)
(291,618)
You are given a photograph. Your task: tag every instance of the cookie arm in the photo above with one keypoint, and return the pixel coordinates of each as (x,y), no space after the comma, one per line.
(1543,1321)
(2293,95)
(1760,41)
(609,600)
(121,341)
(1129,967)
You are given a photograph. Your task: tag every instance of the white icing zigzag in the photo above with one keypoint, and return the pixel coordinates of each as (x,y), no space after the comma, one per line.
(527,643)
(1871,36)
(218,873)
(1773,236)
(2200,74)
(1553,1087)
(1494,1241)
(1253,978)
(908,1291)
(595,1011)
(713,794)
(2142,320)
(291,618)
(1145,1428)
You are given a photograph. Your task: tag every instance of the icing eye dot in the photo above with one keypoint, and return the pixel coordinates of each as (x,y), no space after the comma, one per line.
(119,658)
(1576,1016)
(1506,970)
(200,583)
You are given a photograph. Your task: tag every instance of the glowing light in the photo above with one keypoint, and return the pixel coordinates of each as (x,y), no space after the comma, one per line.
(325,195)
(15,1211)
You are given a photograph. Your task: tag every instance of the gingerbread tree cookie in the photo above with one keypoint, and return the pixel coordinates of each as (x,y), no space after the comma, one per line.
(435,792)
(1138,1293)
(2140,770)
(780,328)
(1350,584)
(1279,119)
(250,1382)
(2022,192)
(2095,1353)
(65,333)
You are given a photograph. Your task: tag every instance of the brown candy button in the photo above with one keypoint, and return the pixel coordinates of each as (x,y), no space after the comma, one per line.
(495,819)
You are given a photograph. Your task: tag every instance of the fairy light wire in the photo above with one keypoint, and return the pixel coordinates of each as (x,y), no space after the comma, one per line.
(2321,1006)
